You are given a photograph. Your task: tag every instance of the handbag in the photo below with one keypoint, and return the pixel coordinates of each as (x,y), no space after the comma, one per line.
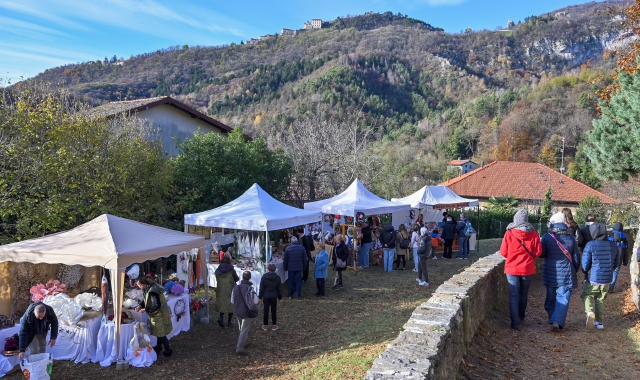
(563,249)
(340,264)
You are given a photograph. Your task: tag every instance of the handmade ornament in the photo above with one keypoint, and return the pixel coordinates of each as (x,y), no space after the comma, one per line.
(89,301)
(177,289)
(66,309)
(360,217)
(179,309)
(51,288)
(104,299)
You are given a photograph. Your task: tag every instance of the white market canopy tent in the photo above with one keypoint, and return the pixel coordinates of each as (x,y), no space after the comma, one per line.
(436,197)
(107,241)
(356,198)
(255,210)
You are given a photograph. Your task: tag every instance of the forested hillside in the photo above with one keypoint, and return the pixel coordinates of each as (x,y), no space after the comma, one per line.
(507,94)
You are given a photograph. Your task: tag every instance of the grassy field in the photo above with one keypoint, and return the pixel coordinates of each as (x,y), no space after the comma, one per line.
(335,337)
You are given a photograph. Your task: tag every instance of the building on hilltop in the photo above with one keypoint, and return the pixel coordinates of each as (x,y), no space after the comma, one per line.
(288,32)
(307,25)
(171,118)
(464,166)
(527,181)
(316,23)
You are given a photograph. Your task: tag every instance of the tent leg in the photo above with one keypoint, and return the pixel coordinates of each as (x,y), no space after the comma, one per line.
(355,244)
(204,270)
(117,286)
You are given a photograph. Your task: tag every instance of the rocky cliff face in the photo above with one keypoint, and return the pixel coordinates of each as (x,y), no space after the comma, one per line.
(580,50)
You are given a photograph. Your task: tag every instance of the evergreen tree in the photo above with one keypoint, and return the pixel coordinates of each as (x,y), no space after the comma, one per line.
(546,204)
(581,169)
(614,142)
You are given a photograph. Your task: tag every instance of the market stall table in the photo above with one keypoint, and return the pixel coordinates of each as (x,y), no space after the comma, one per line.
(105,353)
(79,342)
(255,276)
(8,362)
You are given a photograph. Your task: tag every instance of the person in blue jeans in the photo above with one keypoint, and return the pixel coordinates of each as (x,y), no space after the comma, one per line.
(618,236)
(388,241)
(559,270)
(365,244)
(520,246)
(463,240)
(294,262)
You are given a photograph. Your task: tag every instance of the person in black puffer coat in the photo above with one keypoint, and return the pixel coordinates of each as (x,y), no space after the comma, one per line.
(448,235)
(270,294)
(294,262)
(599,258)
(340,251)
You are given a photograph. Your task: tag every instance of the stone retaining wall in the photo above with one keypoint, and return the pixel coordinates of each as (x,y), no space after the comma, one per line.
(437,335)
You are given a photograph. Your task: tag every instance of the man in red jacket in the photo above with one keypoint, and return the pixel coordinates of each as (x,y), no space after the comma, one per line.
(520,246)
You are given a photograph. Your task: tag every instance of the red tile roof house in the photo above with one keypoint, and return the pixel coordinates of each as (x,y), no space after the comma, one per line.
(527,181)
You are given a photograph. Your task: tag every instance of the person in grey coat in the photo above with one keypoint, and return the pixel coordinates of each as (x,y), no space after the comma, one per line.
(241,310)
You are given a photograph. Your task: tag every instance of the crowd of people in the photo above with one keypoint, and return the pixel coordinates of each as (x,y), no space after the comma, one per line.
(567,250)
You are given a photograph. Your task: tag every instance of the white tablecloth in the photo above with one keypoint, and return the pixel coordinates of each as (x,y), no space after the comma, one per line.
(8,362)
(77,343)
(255,276)
(106,353)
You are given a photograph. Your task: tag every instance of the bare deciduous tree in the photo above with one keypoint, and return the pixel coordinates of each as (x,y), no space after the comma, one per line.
(327,155)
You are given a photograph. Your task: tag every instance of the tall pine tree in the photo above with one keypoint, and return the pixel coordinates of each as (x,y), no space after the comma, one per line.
(614,142)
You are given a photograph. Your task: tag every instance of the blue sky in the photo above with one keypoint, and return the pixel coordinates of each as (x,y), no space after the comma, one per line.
(40,34)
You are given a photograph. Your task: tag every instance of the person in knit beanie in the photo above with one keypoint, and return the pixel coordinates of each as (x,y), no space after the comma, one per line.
(520,246)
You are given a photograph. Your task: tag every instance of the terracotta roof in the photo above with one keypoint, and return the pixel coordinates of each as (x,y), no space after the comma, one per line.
(460,162)
(524,180)
(134,106)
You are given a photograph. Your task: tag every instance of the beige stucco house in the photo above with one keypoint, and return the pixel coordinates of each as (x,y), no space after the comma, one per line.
(172,119)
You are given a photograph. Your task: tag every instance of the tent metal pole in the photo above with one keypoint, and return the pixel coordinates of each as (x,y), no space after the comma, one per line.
(266,247)
(356,249)
(205,271)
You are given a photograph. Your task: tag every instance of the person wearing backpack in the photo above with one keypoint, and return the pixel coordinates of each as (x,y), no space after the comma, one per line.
(617,236)
(403,242)
(599,259)
(559,270)
(463,230)
(520,246)
(423,254)
(245,306)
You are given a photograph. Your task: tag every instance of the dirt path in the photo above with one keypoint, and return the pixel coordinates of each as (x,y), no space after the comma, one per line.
(535,353)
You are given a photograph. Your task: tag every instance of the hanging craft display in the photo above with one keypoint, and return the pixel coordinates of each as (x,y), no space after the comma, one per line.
(360,217)
(412,214)
(349,219)
(327,218)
